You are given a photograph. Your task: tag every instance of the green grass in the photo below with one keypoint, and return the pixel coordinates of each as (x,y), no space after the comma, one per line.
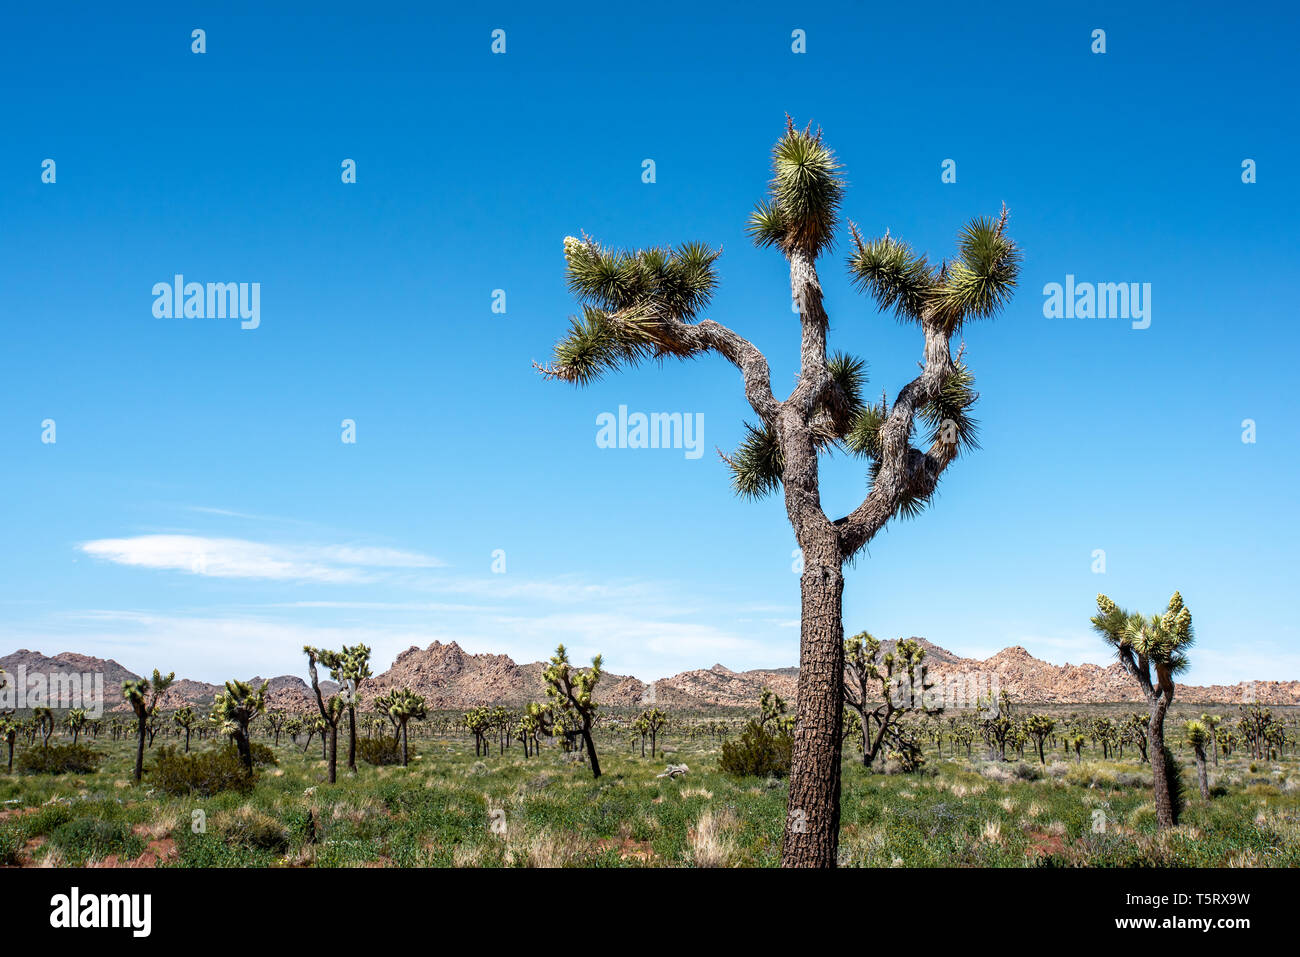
(450,808)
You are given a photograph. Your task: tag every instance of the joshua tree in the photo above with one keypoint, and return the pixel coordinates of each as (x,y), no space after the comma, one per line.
(44,721)
(331,710)
(277,718)
(350,667)
(76,722)
(571,691)
(1212,722)
(902,687)
(1197,736)
(1135,727)
(186,719)
(234,709)
(1152,650)
(645,305)
(9,731)
(1038,727)
(402,706)
(479,722)
(143,696)
(653,720)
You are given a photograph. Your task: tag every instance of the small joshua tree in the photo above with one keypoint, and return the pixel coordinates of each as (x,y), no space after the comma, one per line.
(653,720)
(9,732)
(186,720)
(331,710)
(143,697)
(645,305)
(1039,726)
(277,718)
(234,709)
(900,686)
(1198,735)
(1152,650)
(76,722)
(44,721)
(402,706)
(570,689)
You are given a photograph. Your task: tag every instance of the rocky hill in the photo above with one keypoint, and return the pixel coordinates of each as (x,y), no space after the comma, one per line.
(451,678)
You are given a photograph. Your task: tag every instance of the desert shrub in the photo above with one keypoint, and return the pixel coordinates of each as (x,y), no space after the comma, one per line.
(249,827)
(381,750)
(203,772)
(263,756)
(11,846)
(758,753)
(89,838)
(59,759)
(1022,771)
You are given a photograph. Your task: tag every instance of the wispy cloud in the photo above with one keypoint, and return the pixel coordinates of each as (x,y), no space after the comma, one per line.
(241,558)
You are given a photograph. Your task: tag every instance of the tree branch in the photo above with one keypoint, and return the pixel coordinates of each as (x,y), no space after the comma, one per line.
(905,471)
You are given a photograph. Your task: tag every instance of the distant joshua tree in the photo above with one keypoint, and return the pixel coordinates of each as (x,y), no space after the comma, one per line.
(143,696)
(234,709)
(571,691)
(1152,650)
(277,718)
(645,305)
(899,687)
(653,720)
(402,706)
(185,720)
(1039,726)
(76,722)
(1197,736)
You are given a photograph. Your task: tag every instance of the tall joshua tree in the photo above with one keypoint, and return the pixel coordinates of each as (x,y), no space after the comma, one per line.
(646,304)
(571,689)
(331,709)
(1152,650)
(350,667)
(143,696)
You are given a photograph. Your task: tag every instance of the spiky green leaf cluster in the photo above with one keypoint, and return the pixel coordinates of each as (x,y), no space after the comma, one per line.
(948,413)
(983,279)
(804,196)
(627,298)
(1162,639)
(895,277)
(977,284)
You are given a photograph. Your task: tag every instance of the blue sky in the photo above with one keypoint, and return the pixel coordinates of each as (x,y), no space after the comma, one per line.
(199,511)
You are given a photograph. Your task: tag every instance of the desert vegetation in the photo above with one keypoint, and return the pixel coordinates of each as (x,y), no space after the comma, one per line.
(1003,784)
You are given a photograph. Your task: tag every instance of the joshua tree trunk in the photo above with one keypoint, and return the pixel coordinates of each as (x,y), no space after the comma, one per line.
(245,750)
(139,752)
(1160,784)
(334,753)
(1202,775)
(813,817)
(352,738)
(187,740)
(591,750)
(404,748)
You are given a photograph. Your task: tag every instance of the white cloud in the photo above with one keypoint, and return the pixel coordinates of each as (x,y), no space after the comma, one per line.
(240,558)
